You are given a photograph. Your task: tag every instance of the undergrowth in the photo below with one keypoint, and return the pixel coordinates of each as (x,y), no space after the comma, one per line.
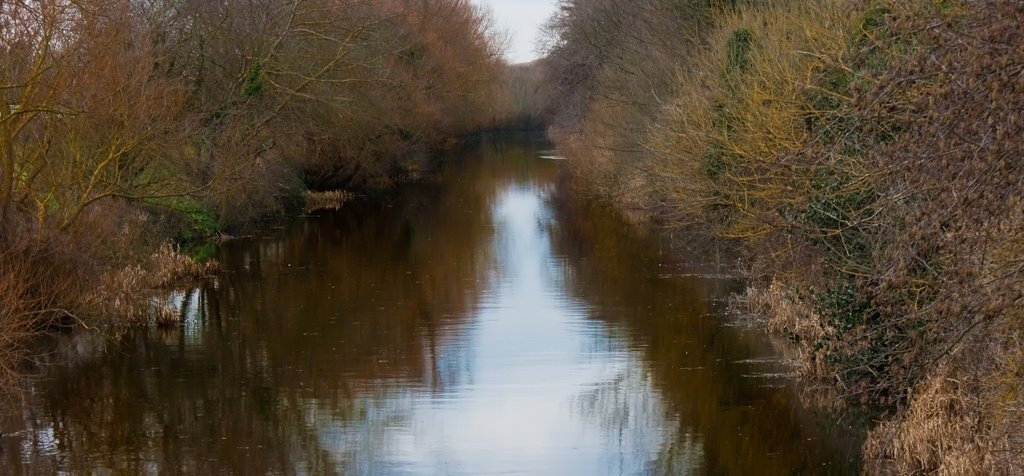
(866,156)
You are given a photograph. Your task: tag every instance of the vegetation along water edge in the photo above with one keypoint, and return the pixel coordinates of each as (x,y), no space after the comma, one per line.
(130,131)
(865,155)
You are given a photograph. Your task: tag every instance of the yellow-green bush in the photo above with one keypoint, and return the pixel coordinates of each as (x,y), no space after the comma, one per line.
(738,136)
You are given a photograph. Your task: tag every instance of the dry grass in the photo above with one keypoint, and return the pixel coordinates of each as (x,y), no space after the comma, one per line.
(940,433)
(330,200)
(966,417)
(170,267)
(127,294)
(1004,404)
(784,312)
(47,281)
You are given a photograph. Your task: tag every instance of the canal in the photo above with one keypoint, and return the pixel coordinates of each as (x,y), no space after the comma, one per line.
(482,322)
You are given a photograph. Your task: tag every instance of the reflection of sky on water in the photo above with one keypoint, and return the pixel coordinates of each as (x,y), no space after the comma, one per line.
(189,304)
(483,324)
(548,391)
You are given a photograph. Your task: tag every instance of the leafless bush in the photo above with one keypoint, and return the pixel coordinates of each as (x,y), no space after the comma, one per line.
(17,315)
(37,286)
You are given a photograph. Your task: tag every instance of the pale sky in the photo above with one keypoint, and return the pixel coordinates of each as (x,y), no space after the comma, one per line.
(522,18)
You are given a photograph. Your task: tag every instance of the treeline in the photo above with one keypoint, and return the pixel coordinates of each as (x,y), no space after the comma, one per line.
(865,155)
(521,99)
(125,123)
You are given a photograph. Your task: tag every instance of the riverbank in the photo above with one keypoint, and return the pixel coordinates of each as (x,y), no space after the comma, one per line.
(865,166)
(104,276)
(123,142)
(509,326)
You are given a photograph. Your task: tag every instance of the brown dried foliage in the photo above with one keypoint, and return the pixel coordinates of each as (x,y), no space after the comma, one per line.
(115,114)
(876,173)
(18,318)
(964,418)
(947,256)
(609,74)
(329,200)
(36,281)
(784,312)
(130,294)
(932,263)
(939,135)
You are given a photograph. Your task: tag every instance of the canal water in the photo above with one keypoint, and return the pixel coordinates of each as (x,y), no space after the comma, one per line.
(484,322)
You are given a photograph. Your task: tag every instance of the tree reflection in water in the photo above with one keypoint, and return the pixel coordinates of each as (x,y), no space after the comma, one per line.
(473,325)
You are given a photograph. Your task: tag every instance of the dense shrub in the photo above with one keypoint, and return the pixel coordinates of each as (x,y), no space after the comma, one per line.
(866,155)
(125,124)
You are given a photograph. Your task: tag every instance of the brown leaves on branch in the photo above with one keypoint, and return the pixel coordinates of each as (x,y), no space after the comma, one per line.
(179,97)
(138,122)
(866,154)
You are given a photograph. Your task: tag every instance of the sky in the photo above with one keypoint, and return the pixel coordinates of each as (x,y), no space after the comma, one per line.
(522,19)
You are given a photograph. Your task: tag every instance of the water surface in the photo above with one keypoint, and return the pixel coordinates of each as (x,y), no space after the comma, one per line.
(481,323)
